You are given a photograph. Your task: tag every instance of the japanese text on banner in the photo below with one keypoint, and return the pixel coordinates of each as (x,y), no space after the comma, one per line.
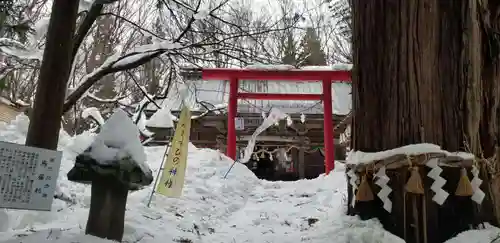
(172,178)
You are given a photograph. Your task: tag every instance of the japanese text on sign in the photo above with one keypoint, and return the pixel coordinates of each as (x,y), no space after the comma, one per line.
(176,159)
(28,176)
(172,179)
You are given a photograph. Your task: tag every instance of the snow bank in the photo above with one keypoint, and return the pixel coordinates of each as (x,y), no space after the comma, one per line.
(351,229)
(207,197)
(240,208)
(488,235)
(16,131)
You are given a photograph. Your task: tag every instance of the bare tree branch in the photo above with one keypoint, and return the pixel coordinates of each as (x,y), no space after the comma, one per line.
(84,28)
(133,24)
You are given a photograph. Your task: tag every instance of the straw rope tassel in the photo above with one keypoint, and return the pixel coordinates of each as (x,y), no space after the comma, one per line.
(414,184)
(364,193)
(464,187)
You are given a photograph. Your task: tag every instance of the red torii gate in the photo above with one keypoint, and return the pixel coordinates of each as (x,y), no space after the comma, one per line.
(234,75)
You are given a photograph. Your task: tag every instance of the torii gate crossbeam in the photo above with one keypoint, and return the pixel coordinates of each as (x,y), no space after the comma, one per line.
(325,76)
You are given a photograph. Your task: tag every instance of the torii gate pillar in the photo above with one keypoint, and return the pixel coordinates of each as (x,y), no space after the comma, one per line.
(232,110)
(328,126)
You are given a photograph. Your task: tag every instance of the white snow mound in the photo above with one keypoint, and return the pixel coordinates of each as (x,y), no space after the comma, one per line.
(119,138)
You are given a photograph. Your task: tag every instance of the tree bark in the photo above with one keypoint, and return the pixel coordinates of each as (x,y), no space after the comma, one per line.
(55,70)
(412,71)
(417,78)
(490,130)
(490,29)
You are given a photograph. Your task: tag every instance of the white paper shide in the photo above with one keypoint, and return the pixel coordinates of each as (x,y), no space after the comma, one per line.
(353,180)
(381,179)
(437,187)
(477,193)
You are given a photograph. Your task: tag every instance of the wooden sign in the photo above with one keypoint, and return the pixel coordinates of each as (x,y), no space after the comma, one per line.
(239,123)
(28,176)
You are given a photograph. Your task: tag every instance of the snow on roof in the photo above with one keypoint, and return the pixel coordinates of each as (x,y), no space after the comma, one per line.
(270,67)
(94,113)
(119,138)
(216,93)
(6,101)
(334,67)
(14,48)
(17,104)
(284,67)
(161,119)
(141,125)
(358,157)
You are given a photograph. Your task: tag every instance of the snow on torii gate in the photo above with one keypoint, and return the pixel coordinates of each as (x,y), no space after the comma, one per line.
(234,75)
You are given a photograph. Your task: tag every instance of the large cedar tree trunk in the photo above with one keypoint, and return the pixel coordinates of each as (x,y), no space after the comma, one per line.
(417,78)
(45,121)
(489,130)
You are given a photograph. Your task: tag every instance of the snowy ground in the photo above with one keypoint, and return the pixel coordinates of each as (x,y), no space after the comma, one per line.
(238,209)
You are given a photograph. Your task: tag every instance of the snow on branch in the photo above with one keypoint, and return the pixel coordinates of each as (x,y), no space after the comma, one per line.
(113,64)
(94,113)
(110,100)
(181,47)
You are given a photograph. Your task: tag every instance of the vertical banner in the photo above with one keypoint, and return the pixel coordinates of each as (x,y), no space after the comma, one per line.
(174,169)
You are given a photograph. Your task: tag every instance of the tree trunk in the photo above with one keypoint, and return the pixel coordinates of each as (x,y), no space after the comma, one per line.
(55,70)
(417,78)
(490,130)
(490,27)
(412,71)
